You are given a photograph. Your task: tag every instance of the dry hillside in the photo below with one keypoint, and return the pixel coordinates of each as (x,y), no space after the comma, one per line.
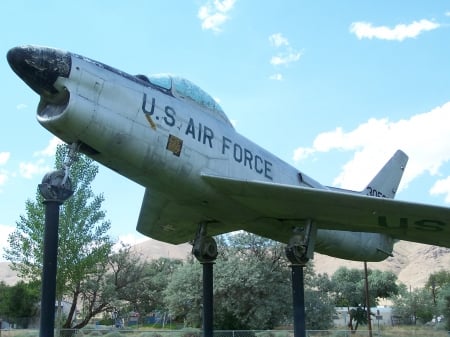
(412,262)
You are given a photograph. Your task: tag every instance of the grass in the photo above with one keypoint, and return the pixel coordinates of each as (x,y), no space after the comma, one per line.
(404,331)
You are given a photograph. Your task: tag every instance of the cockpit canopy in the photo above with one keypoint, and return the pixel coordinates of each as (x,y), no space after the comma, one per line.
(183,88)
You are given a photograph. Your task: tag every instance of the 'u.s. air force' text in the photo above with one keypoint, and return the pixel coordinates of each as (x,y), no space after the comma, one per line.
(205,135)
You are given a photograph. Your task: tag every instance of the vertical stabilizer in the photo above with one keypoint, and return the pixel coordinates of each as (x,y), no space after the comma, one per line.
(385,183)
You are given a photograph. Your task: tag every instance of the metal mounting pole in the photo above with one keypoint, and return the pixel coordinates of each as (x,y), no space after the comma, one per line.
(55,188)
(205,251)
(208,299)
(299,251)
(298,297)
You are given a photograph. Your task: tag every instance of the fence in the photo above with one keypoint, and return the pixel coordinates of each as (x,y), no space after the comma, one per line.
(222,333)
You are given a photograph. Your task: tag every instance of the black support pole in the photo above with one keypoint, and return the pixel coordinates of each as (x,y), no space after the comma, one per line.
(55,188)
(298,297)
(48,291)
(208,301)
(205,251)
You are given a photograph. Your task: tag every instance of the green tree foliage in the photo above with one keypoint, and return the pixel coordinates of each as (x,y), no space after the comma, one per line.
(443,304)
(19,303)
(157,275)
(436,282)
(252,288)
(319,308)
(414,306)
(347,287)
(183,293)
(83,239)
(134,284)
(115,281)
(250,294)
(422,305)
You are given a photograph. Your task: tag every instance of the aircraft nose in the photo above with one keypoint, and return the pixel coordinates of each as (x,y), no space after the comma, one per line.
(40,67)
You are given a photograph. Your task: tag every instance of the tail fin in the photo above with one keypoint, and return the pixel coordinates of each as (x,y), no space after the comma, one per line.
(385,183)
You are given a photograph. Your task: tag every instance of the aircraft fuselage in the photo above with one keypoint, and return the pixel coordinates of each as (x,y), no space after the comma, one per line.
(165,135)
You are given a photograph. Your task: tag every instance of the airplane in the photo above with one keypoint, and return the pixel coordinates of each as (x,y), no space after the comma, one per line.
(168,135)
(202,178)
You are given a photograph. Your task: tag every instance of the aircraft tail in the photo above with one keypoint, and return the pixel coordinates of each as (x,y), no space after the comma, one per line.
(385,183)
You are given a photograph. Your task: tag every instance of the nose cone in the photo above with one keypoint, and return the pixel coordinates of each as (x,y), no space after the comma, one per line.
(40,67)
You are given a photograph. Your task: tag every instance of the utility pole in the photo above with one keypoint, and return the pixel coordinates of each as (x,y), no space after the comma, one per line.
(369,323)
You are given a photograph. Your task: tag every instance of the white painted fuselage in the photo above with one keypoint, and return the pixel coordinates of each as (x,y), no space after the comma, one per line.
(168,135)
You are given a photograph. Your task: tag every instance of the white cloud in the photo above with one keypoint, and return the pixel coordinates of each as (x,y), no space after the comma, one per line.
(21,106)
(129,239)
(285,53)
(29,169)
(4,157)
(285,58)
(39,166)
(276,77)
(442,186)
(5,230)
(278,40)
(424,137)
(215,13)
(365,30)
(50,150)
(4,175)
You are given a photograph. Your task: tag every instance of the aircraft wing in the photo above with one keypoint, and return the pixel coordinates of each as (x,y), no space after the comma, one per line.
(337,211)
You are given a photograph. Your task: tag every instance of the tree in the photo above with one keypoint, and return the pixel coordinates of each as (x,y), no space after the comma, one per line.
(83,239)
(111,285)
(414,305)
(436,282)
(157,275)
(319,309)
(183,293)
(444,304)
(251,294)
(382,284)
(348,288)
(19,303)
(252,287)
(132,284)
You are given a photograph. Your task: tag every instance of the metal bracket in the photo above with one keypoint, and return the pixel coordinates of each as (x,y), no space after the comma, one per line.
(56,185)
(300,248)
(204,247)
(72,156)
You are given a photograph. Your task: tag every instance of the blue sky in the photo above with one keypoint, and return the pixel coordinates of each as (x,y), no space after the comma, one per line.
(333,88)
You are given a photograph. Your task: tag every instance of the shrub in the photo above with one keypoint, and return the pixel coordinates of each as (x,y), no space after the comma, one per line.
(28,334)
(95,333)
(150,334)
(114,334)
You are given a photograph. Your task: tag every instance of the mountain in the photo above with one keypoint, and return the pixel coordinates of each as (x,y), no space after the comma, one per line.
(412,262)
(149,249)
(7,275)
(153,249)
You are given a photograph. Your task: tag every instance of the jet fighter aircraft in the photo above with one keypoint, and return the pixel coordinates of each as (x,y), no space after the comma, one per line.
(170,136)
